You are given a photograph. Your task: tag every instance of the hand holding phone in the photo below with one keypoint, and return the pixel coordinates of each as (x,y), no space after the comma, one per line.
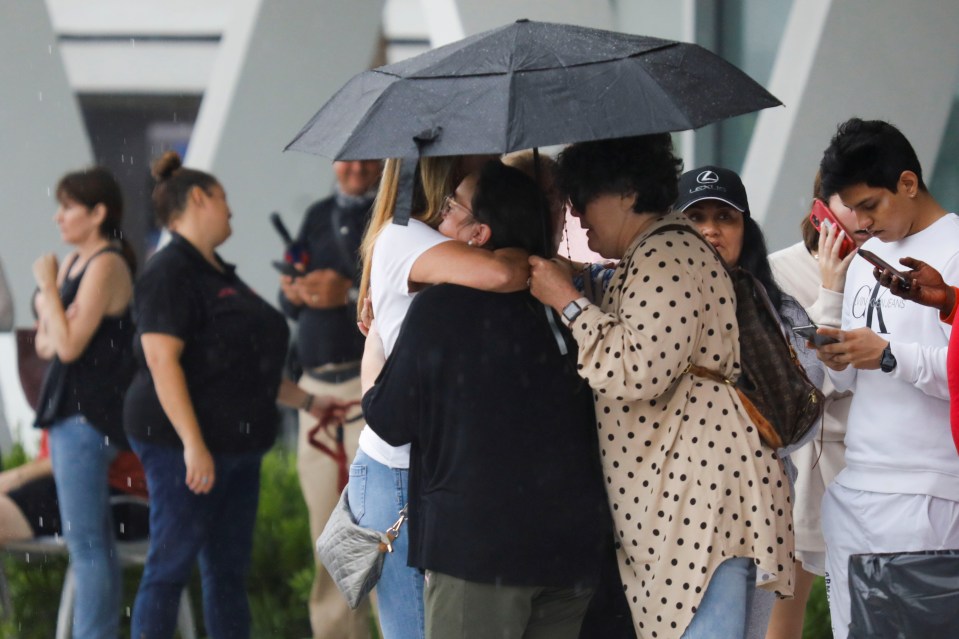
(821,213)
(808,332)
(883,265)
(286,269)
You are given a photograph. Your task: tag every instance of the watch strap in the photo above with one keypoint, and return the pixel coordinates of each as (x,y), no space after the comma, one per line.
(574,309)
(887,362)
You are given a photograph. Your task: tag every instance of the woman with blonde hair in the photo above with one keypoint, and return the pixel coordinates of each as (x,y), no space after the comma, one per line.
(399,261)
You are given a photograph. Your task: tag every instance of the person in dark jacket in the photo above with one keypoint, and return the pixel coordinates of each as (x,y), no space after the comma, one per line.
(507,509)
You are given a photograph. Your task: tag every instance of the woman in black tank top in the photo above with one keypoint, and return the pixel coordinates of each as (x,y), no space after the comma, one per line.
(85,328)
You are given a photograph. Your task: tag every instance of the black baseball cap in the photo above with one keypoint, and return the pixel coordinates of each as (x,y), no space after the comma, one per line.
(712,183)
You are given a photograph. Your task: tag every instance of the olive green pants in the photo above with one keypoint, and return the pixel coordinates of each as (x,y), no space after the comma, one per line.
(460,609)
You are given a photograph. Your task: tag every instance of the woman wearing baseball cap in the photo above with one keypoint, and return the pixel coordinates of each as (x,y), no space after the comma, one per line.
(714,199)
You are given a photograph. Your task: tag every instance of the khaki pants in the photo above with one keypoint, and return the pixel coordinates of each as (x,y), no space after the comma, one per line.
(460,609)
(330,616)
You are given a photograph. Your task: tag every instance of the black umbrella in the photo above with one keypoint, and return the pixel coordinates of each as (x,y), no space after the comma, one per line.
(526,85)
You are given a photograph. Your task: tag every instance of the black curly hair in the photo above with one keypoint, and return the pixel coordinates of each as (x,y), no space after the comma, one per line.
(643,165)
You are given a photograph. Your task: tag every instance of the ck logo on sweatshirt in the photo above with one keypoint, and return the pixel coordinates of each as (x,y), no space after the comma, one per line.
(870,304)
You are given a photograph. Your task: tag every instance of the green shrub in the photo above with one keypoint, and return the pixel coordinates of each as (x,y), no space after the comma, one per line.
(282,567)
(817,624)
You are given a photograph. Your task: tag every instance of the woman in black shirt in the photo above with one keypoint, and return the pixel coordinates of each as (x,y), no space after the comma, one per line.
(83,310)
(201,410)
(507,511)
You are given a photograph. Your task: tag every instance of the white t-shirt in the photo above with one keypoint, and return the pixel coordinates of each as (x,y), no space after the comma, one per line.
(394,253)
(898,438)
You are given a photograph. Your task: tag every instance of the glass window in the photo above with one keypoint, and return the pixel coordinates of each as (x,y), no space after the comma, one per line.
(747,33)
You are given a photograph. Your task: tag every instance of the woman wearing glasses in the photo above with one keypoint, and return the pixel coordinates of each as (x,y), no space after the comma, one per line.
(398,261)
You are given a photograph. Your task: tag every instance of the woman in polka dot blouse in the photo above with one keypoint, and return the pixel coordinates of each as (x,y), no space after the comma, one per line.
(700,506)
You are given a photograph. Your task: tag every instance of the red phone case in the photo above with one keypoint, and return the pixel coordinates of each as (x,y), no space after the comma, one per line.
(822,212)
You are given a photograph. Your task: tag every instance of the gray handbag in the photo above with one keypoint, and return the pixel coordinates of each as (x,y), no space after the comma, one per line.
(352,554)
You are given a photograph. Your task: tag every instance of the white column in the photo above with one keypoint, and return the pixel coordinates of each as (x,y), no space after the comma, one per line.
(881,59)
(280,60)
(41,137)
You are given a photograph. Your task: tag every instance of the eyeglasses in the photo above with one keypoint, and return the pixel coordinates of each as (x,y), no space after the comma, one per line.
(449,202)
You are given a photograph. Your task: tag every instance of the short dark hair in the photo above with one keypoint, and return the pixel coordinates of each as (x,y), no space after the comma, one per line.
(870,152)
(642,165)
(509,202)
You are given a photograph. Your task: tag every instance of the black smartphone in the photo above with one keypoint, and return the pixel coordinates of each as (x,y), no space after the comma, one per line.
(809,333)
(286,268)
(881,264)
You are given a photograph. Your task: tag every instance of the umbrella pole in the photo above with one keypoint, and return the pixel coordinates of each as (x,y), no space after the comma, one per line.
(547,239)
(404,191)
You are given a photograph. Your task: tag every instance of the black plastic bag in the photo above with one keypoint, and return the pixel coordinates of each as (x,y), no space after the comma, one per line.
(904,595)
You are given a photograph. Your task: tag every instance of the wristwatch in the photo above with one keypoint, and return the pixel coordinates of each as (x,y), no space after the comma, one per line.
(572,310)
(887,363)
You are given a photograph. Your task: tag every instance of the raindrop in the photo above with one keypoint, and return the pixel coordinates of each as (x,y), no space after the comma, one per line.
(50,49)
(40,95)
(128,612)
(133,42)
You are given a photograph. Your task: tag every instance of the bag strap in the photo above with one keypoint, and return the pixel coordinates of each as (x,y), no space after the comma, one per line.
(767,433)
(587,275)
(682,227)
(393,532)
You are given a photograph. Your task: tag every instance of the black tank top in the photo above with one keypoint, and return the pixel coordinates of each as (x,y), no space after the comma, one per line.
(95,383)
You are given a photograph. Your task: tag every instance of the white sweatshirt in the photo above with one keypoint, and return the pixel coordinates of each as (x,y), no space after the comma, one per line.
(898,438)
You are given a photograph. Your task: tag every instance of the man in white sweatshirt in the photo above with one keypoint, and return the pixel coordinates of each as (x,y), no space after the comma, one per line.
(899,491)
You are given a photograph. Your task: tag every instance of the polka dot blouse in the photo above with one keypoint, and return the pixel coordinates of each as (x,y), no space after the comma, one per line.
(689,482)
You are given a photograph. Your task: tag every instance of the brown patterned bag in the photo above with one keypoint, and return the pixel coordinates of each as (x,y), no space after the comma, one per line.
(774,389)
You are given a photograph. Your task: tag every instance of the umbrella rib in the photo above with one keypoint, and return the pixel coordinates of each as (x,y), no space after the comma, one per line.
(490,74)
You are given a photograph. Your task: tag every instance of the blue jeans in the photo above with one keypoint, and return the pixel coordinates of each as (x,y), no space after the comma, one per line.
(216,528)
(723,612)
(376,494)
(81,457)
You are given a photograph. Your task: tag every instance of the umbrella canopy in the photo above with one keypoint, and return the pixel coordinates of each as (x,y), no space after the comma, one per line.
(526,85)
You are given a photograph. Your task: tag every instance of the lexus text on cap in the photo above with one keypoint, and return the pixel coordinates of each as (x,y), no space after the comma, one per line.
(712,183)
